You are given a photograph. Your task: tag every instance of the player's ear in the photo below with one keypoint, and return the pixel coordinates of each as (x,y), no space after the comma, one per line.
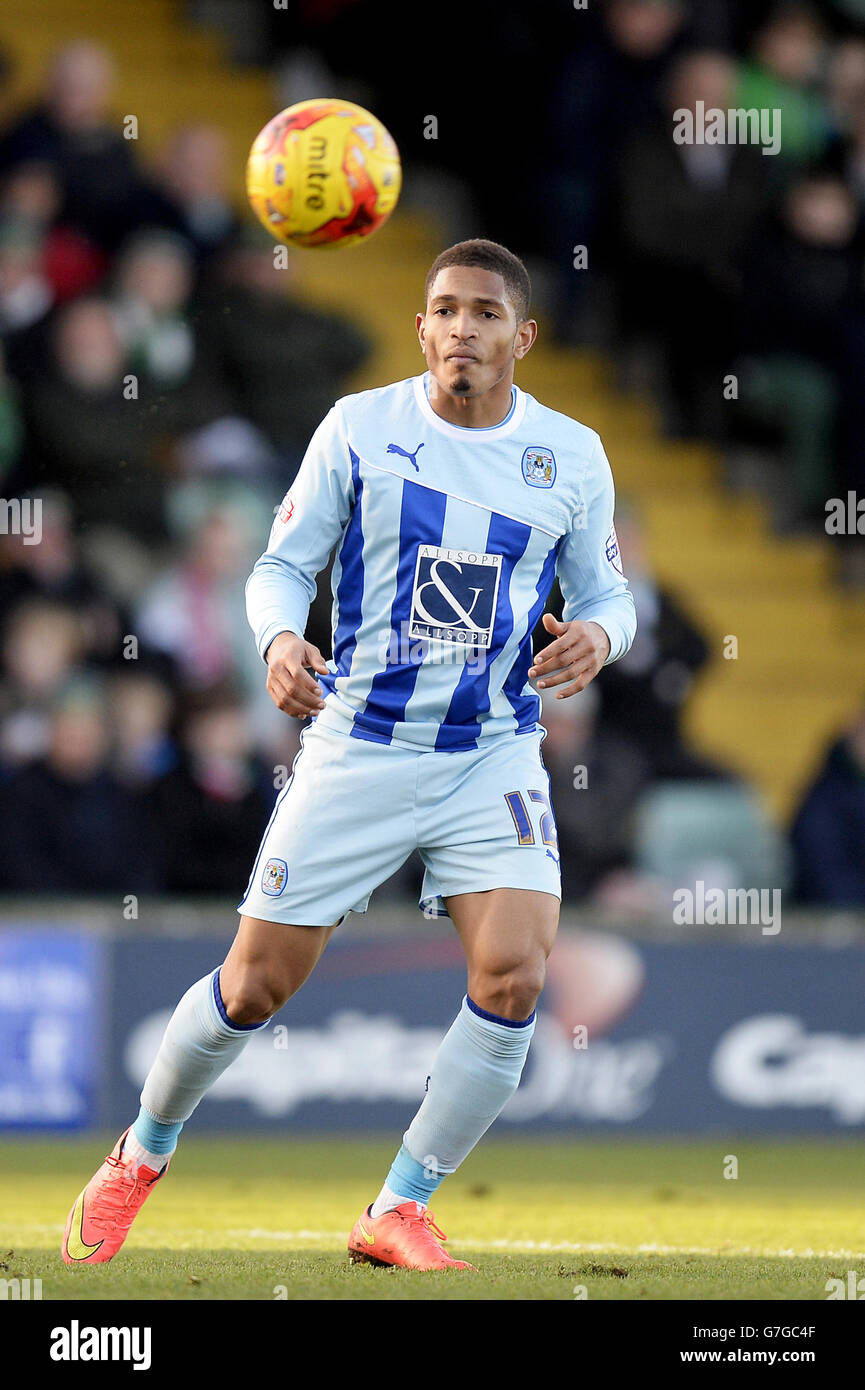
(527,331)
(420,323)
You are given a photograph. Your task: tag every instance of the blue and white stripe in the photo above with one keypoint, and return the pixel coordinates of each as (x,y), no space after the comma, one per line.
(468,494)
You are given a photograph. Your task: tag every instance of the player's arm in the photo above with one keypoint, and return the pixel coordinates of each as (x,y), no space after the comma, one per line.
(307,525)
(599,619)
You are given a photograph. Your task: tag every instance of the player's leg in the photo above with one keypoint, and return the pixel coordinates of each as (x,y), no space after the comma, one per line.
(267,963)
(491,853)
(317,861)
(507,934)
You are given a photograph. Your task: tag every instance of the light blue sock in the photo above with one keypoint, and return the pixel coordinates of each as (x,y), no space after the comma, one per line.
(197,1046)
(475,1072)
(157,1136)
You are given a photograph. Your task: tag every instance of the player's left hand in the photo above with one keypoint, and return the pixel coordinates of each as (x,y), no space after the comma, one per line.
(573,659)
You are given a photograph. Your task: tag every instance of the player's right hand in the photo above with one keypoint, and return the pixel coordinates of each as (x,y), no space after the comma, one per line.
(291,688)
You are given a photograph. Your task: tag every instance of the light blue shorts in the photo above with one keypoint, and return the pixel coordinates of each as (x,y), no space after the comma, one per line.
(353,811)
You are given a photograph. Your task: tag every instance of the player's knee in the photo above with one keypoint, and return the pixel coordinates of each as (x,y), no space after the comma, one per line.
(255,996)
(511,992)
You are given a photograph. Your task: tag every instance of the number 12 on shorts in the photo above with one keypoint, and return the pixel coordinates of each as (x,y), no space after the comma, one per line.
(522,821)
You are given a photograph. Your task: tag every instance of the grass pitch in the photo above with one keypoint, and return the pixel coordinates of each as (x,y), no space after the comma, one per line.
(260,1218)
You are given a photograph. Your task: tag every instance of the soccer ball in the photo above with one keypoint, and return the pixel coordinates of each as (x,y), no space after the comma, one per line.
(323,173)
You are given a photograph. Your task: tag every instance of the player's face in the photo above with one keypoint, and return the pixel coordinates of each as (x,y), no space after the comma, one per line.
(469,334)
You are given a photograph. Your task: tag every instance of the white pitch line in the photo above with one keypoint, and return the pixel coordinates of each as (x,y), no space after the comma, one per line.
(583,1247)
(540,1247)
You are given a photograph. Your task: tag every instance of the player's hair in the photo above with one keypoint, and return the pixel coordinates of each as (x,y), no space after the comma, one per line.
(488,255)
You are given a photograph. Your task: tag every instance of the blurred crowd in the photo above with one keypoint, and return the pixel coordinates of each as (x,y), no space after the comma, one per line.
(705,260)
(156,396)
(744,285)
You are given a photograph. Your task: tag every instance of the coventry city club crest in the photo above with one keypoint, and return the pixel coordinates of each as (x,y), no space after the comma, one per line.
(274,877)
(539,467)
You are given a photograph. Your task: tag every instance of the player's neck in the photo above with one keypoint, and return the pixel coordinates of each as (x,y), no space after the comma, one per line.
(472,412)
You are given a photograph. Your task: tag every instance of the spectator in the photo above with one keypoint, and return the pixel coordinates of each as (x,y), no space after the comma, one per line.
(595,780)
(90,433)
(192,173)
(195,613)
(26,296)
(783,74)
(141,711)
(681,253)
(230,448)
(264,341)
(211,810)
(42,644)
(67,824)
(802,300)
(643,695)
(55,572)
(829,829)
(603,92)
(846,85)
(152,284)
(71,263)
(104,195)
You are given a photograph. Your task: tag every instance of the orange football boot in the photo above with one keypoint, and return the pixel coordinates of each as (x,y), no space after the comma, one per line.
(405,1237)
(100,1219)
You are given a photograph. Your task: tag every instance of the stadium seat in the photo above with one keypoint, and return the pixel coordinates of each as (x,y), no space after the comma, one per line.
(710,830)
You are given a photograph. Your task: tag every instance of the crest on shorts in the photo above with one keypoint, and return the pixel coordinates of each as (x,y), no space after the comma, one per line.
(274,877)
(539,467)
